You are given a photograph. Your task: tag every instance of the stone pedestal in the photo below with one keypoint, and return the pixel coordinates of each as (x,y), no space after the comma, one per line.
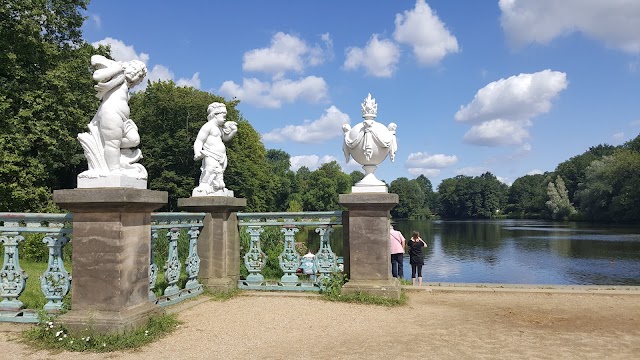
(369,257)
(219,241)
(111,254)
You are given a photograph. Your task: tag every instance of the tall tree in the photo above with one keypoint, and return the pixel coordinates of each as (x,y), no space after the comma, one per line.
(46,99)
(527,196)
(559,204)
(573,170)
(169,118)
(411,199)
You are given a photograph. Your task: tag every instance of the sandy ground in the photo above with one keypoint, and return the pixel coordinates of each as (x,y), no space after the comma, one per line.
(433,325)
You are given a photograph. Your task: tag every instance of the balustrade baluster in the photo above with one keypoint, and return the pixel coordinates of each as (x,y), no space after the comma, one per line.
(325,260)
(255,259)
(289,259)
(55,281)
(172,266)
(153,268)
(12,278)
(192,264)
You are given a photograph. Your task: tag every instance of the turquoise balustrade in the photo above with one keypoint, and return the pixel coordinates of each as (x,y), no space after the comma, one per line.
(181,231)
(325,260)
(55,281)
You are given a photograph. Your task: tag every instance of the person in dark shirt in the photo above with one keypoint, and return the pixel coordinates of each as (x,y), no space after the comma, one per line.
(416,257)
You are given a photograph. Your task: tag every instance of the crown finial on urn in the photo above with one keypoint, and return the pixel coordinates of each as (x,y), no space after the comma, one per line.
(369,107)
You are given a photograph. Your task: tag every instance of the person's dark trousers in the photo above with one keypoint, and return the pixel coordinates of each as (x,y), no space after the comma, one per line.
(396,266)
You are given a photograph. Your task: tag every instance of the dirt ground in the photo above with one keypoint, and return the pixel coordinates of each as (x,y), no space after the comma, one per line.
(433,325)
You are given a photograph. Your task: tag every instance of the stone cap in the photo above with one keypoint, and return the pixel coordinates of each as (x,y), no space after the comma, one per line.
(367,201)
(110,199)
(212,204)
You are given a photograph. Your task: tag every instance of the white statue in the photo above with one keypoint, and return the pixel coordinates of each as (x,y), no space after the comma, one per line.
(109,144)
(209,146)
(368,143)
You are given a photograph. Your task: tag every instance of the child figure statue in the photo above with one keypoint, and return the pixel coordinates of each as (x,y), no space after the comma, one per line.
(209,146)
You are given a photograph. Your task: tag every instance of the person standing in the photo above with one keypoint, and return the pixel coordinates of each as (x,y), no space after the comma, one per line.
(396,242)
(416,257)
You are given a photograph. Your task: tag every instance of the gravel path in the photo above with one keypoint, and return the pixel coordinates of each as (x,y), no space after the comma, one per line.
(437,325)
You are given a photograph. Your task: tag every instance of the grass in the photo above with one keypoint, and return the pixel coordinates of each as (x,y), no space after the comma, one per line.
(32,296)
(49,335)
(368,299)
(222,295)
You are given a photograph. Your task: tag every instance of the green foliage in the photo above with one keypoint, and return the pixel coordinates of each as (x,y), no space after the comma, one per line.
(46,99)
(612,188)
(559,205)
(573,170)
(411,199)
(32,296)
(356,176)
(169,118)
(223,295)
(332,286)
(465,197)
(49,335)
(527,196)
(319,189)
(272,244)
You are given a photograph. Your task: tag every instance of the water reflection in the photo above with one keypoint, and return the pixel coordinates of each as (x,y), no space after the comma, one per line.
(528,252)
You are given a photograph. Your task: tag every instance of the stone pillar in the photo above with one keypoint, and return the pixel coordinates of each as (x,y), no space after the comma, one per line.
(219,241)
(369,256)
(111,251)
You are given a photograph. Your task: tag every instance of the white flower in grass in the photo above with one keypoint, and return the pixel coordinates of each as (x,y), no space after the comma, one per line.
(59,332)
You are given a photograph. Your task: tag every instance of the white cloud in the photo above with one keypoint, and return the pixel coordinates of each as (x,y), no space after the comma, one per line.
(428,165)
(436,161)
(614,22)
(312,89)
(426,33)
(472,171)
(123,52)
(617,138)
(193,82)
(328,126)
(505,180)
(379,57)
(430,173)
(312,162)
(502,110)
(96,20)
(535,172)
(286,53)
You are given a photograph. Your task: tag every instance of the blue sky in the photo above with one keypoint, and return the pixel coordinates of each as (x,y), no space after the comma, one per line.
(512,86)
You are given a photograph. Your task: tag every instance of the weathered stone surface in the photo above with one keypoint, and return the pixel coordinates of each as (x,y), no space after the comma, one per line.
(111,255)
(367,254)
(219,241)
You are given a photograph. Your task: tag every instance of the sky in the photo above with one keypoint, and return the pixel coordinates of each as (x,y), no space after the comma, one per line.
(513,87)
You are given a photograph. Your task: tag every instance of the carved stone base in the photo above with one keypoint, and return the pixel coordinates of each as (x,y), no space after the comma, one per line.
(109,322)
(389,289)
(111,181)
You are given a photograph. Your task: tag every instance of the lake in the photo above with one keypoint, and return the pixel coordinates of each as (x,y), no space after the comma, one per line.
(526,252)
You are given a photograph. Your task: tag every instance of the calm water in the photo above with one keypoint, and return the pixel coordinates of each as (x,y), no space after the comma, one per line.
(527,252)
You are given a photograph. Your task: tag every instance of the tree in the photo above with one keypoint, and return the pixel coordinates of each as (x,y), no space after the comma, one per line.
(611,188)
(410,196)
(356,176)
(527,196)
(573,170)
(558,203)
(46,99)
(169,118)
(281,179)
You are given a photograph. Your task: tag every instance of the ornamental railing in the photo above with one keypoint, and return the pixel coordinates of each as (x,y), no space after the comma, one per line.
(180,231)
(300,272)
(54,230)
(174,237)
